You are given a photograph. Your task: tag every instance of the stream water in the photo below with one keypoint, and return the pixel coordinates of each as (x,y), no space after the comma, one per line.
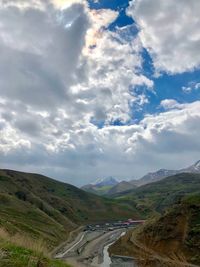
(107,262)
(106,258)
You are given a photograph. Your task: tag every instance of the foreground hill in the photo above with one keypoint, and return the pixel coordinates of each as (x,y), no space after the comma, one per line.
(171,240)
(155,197)
(48,209)
(19,251)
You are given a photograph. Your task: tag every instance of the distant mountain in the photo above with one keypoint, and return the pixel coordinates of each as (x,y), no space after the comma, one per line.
(111,186)
(109,181)
(154,177)
(101,186)
(163,173)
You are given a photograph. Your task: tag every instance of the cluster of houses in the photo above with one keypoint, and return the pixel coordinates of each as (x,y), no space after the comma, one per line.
(113,225)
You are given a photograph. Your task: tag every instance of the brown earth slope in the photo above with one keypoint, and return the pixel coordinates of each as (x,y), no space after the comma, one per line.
(171,240)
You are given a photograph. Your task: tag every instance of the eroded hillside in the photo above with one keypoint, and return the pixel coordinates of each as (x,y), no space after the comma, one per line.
(170,240)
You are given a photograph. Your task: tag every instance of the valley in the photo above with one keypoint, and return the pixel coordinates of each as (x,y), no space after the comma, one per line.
(99,133)
(82,229)
(52,207)
(90,246)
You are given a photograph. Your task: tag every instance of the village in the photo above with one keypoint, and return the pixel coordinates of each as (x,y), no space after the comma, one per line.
(110,226)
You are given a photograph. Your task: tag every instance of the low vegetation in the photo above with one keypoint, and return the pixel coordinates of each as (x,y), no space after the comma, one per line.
(47,209)
(154,198)
(21,251)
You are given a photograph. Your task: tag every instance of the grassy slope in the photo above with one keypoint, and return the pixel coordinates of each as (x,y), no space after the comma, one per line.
(156,197)
(100,191)
(48,209)
(120,188)
(13,254)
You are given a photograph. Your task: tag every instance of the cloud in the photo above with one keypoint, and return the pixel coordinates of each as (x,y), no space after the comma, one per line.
(170,31)
(40,69)
(24,4)
(169,104)
(192,86)
(61,70)
(100,20)
(65,81)
(114,68)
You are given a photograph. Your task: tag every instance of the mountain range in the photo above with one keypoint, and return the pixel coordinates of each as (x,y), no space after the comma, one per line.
(111,186)
(163,173)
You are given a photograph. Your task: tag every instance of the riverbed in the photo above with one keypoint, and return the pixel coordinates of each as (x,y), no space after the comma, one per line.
(91,249)
(115,262)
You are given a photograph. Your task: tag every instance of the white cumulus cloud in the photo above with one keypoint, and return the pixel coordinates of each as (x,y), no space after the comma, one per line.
(170,31)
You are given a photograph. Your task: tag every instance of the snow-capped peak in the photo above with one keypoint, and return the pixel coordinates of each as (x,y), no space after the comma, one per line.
(106,181)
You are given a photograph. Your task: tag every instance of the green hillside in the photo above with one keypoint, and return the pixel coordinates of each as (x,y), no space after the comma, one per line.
(48,209)
(155,197)
(121,187)
(100,191)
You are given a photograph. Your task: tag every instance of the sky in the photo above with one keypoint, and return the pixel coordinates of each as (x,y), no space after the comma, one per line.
(98,88)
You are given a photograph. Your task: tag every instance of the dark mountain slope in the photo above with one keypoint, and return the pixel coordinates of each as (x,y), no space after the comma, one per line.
(120,187)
